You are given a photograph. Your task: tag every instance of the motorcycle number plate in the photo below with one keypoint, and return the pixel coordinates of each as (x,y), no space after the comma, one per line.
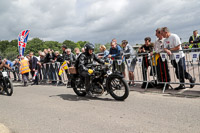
(5,74)
(109,72)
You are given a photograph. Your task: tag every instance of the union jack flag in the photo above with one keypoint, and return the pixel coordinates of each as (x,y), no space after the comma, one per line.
(22,41)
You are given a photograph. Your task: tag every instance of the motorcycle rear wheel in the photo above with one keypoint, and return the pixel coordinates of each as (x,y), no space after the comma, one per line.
(118,88)
(78,90)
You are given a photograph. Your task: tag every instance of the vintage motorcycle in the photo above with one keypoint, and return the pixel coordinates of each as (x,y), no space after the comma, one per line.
(102,80)
(5,83)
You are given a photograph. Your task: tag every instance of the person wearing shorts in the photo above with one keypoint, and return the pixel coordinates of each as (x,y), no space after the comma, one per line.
(129,53)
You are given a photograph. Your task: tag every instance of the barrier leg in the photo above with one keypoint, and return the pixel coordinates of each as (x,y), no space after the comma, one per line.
(198,70)
(146,86)
(164,88)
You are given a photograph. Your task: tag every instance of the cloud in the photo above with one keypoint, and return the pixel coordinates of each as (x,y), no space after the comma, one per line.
(97,21)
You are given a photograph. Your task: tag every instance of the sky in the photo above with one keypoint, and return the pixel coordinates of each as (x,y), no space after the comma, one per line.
(98,21)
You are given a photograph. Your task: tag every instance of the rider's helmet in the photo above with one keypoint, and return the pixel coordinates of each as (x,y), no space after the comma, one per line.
(89,46)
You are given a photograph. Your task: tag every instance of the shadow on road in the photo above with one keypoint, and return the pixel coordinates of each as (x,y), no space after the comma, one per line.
(18,85)
(74,97)
(170,93)
(3,94)
(185,94)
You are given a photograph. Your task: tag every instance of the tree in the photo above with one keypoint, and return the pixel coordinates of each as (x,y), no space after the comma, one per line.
(3,45)
(56,46)
(82,43)
(14,43)
(70,44)
(8,49)
(107,46)
(97,48)
(34,46)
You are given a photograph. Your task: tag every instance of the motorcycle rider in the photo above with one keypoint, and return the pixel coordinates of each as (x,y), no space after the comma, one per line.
(3,65)
(85,59)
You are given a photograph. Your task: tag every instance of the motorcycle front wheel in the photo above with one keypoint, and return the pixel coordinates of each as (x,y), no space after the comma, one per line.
(9,89)
(118,88)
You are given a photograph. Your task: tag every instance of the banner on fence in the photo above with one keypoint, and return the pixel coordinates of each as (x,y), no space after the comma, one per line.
(140,60)
(163,56)
(177,57)
(195,56)
(111,62)
(119,62)
(129,62)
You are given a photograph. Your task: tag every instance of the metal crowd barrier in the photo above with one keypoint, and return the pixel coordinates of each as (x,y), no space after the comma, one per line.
(191,67)
(144,71)
(47,74)
(138,71)
(159,70)
(162,71)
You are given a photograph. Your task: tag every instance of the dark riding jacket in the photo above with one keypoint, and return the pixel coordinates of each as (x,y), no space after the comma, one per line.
(85,59)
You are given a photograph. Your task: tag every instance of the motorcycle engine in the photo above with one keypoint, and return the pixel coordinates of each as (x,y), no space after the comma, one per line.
(98,88)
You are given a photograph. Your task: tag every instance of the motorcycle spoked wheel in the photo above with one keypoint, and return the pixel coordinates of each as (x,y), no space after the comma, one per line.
(80,91)
(118,88)
(9,89)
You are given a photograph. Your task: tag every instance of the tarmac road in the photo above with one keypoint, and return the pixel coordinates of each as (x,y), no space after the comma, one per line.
(51,109)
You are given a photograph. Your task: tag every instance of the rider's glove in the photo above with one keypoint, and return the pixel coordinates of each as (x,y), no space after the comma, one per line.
(107,63)
(90,71)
